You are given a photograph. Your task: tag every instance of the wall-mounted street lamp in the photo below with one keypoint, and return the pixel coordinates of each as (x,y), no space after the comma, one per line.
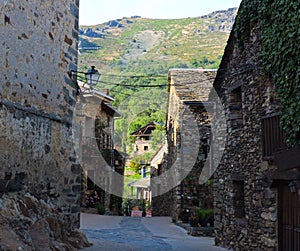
(91,77)
(293,186)
(260,184)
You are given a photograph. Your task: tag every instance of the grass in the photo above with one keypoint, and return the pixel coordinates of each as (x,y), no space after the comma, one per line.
(181,41)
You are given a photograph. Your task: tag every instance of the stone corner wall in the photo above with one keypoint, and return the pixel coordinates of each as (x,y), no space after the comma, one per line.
(244,216)
(184,121)
(39,41)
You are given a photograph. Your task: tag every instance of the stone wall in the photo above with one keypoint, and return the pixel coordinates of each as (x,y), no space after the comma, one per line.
(39,46)
(245,216)
(185,128)
(39,42)
(162,204)
(190,194)
(95,120)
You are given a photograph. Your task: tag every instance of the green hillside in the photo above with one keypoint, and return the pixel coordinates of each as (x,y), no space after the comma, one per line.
(134,55)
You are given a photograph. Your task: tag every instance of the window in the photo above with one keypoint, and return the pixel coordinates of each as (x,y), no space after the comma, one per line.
(235,107)
(146,148)
(107,141)
(272,136)
(159,169)
(238,199)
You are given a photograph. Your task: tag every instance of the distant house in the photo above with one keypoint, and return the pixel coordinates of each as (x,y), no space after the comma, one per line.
(143,138)
(161,204)
(142,187)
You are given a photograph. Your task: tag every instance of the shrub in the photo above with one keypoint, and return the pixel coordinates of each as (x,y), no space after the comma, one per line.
(100,208)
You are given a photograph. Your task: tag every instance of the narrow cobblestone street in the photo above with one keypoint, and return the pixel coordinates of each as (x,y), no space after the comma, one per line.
(144,234)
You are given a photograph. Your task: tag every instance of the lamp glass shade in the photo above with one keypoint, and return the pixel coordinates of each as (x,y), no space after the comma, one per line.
(292,186)
(92,76)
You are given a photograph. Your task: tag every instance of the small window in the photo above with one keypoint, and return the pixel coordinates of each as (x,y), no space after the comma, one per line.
(146,148)
(235,107)
(272,136)
(107,141)
(159,169)
(238,199)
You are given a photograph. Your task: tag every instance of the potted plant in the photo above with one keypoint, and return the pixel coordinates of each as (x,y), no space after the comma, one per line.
(204,215)
(100,208)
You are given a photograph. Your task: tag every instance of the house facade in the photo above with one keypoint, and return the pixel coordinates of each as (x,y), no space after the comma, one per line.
(162,202)
(142,187)
(188,136)
(142,142)
(256,199)
(95,119)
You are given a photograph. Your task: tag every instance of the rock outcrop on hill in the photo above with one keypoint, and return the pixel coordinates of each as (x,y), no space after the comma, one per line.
(221,20)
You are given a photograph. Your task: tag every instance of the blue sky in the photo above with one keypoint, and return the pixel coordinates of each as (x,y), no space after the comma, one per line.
(93,12)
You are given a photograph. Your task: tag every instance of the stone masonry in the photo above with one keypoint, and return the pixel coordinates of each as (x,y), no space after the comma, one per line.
(186,120)
(39,42)
(245,215)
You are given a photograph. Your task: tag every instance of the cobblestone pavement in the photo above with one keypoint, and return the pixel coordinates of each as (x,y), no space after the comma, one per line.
(110,233)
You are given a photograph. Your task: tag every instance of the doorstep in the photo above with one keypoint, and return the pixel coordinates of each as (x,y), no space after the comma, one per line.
(197,231)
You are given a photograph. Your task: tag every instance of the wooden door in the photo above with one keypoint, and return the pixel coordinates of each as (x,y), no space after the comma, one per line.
(289,219)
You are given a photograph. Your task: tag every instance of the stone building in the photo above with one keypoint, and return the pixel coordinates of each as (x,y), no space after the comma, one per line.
(162,201)
(143,136)
(95,118)
(142,187)
(188,136)
(255,209)
(40,178)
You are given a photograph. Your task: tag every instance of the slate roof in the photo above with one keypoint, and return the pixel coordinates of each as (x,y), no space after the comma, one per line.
(192,84)
(145,130)
(142,183)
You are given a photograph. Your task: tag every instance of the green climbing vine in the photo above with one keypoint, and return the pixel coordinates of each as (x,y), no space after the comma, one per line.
(280,53)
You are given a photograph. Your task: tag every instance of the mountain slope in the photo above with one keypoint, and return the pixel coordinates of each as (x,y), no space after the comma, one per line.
(191,42)
(133,56)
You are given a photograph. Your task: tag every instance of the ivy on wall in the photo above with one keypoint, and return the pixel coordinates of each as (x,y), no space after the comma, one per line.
(280,53)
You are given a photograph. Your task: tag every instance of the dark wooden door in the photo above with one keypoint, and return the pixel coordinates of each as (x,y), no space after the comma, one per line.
(289,219)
